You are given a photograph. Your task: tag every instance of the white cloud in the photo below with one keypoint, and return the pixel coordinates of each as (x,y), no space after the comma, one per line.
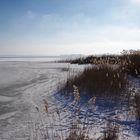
(96,40)
(136,2)
(77,34)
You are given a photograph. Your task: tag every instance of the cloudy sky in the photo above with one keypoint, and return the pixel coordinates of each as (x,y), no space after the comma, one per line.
(54,27)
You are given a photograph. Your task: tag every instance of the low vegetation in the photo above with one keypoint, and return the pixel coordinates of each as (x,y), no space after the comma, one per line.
(78,130)
(111,131)
(137,106)
(108,77)
(100,80)
(133,62)
(128,59)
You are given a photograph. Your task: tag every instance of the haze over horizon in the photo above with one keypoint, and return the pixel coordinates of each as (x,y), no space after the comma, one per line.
(57,27)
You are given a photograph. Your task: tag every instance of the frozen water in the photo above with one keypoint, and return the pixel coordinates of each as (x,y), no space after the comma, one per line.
(24,86)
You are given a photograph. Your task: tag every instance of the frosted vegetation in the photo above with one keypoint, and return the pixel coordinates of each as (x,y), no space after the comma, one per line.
(111,86)
(99,100)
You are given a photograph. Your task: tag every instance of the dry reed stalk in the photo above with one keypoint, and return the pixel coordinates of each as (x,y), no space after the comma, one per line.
(46,105)
(58,113)
(40,116)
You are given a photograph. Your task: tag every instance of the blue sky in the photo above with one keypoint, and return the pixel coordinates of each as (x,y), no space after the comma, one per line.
(54,27)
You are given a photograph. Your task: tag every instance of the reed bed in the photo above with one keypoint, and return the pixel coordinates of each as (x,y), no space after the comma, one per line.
(109,78)
(77,129)
(137,106)
(53,130)
(128,59)
(133,63)
(101,80)
(111,131)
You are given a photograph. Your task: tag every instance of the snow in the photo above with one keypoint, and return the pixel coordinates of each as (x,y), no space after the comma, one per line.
(5,99)
(23,88)
(23,85)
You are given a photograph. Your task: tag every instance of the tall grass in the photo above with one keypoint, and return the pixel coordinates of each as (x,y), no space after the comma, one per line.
(129,59)
(52,130)
(101,80)
(78,130)
(75,136)
(137,106)
(111,132)
(133,62)
(107,78)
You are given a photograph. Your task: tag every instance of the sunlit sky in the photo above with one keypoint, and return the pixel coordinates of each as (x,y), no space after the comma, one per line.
(55,27)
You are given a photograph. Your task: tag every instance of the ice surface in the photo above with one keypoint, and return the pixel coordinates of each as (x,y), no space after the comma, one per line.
(24,86)
(5,99)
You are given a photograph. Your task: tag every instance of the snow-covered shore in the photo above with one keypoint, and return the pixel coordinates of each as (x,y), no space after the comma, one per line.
(24,86)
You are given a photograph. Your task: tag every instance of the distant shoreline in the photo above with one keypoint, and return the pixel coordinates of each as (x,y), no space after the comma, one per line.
(29,56)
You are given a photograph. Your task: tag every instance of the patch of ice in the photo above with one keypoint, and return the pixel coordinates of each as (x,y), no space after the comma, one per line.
(7,115)
(5,99)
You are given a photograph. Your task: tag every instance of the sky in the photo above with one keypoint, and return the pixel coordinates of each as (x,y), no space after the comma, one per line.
(56,27)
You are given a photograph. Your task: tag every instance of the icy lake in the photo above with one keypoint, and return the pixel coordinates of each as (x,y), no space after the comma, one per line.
(23,87)
(23,84)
